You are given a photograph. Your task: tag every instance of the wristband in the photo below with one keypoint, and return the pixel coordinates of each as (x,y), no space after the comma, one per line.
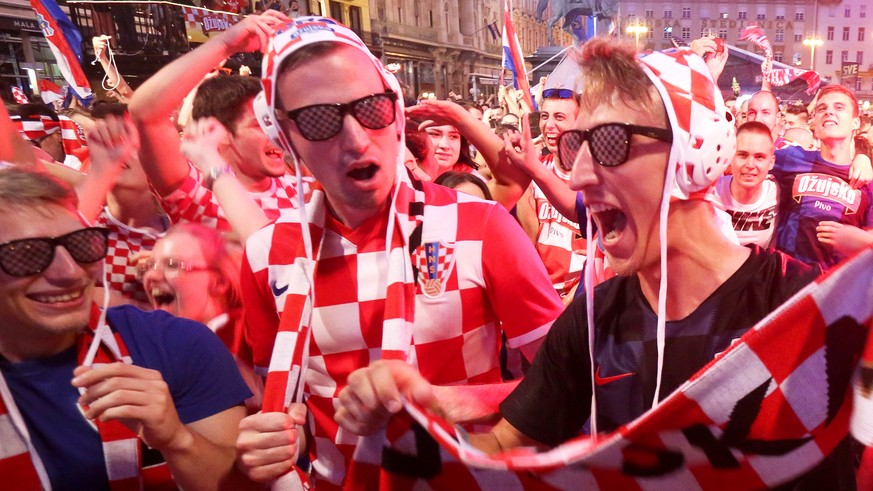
(213,175)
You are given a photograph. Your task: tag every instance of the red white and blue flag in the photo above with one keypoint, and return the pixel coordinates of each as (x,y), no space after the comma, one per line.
(512,56)
(65,42)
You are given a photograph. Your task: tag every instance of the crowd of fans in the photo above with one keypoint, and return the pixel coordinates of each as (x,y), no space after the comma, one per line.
(300,171)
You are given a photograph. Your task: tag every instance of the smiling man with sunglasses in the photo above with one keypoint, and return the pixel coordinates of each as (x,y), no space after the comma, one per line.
(650,140)
(379,266)
(92,400)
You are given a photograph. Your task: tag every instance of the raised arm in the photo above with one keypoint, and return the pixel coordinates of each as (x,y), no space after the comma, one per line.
(111,143)
(153,103)
(509,183)
(200,144)
(524,157)
(113,77)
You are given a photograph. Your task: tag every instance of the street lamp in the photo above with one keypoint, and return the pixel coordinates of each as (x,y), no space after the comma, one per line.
(636,29)
(812,43)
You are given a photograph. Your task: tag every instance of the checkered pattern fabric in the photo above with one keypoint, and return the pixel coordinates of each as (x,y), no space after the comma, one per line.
(559,243)
(703,139)
(194,18)
(21,466)
(125,243)
(762,413)
(455,337)
(72,135)
(782,76)
(193,202)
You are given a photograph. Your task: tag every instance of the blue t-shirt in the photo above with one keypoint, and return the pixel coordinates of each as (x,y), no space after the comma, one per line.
(812,190)
(201,374)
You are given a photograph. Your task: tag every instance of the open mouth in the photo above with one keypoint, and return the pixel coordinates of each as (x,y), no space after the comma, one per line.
(364,173)
(274,153)
(61,298)
(611,222)
(162,298)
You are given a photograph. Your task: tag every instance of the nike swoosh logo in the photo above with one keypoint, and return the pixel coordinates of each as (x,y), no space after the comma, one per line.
(600,381)
(276,290)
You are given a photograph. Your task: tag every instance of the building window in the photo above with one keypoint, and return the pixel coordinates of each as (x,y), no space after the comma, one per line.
(861,33)
(780,13)
(336,11)
(798,37)
(830,33)
(722,33)
(668,13)
(845,55)
(829,57)
(796,59)
(668,32)
(859,57)
(863,12)
(650,13)
(742,15)
(848,12)
(780,35)
(845,34)
(858,83)
(778,56)
(723,15)
(650,34)
(686,12)
(761,16)
(355,19)
(798,16)
(686,33)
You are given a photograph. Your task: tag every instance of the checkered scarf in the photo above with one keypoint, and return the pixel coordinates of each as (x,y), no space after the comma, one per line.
(19,462)
(288,364)
(778,76)
(72,136)
(765,411)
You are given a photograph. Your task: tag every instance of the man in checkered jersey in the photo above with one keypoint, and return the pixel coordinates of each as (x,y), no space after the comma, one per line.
(628,137)
(188,194)
(379,266)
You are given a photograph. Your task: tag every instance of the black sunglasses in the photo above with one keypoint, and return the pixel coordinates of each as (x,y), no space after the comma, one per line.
(557,94)
(27,257)
(323,121)
(609,142)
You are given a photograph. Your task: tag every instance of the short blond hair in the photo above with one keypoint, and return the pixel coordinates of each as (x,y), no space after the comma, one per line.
(611,73)
(22,188)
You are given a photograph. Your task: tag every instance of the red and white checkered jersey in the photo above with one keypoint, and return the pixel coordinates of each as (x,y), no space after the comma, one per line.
(476,276)
(124,243)
(193,202)
(559,243)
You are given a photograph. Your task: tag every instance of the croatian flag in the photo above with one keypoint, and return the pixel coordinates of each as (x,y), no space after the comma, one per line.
(19,95)
(65,42)
(49,91)
(512,57)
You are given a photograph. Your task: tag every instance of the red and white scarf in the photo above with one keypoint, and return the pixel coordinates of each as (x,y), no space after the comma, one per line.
(20,464)
(762,413)
(288,364)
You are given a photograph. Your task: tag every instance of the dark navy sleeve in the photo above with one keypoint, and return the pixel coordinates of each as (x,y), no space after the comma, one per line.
(553,401)
(201,373)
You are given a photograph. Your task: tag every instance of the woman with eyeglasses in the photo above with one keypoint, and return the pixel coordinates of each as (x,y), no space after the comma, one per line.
(193,272)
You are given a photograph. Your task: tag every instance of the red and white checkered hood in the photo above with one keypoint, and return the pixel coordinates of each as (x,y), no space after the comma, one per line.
(703,138)
(303,31)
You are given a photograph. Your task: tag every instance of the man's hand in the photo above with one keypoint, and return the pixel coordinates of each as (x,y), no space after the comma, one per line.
(269,443)
(845,239)
(201,142)
(372,395)
(522,152)
(715,57)
(861,171)
(100,43)
(137,397)
(253,32)
(438,113)
(111,143)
